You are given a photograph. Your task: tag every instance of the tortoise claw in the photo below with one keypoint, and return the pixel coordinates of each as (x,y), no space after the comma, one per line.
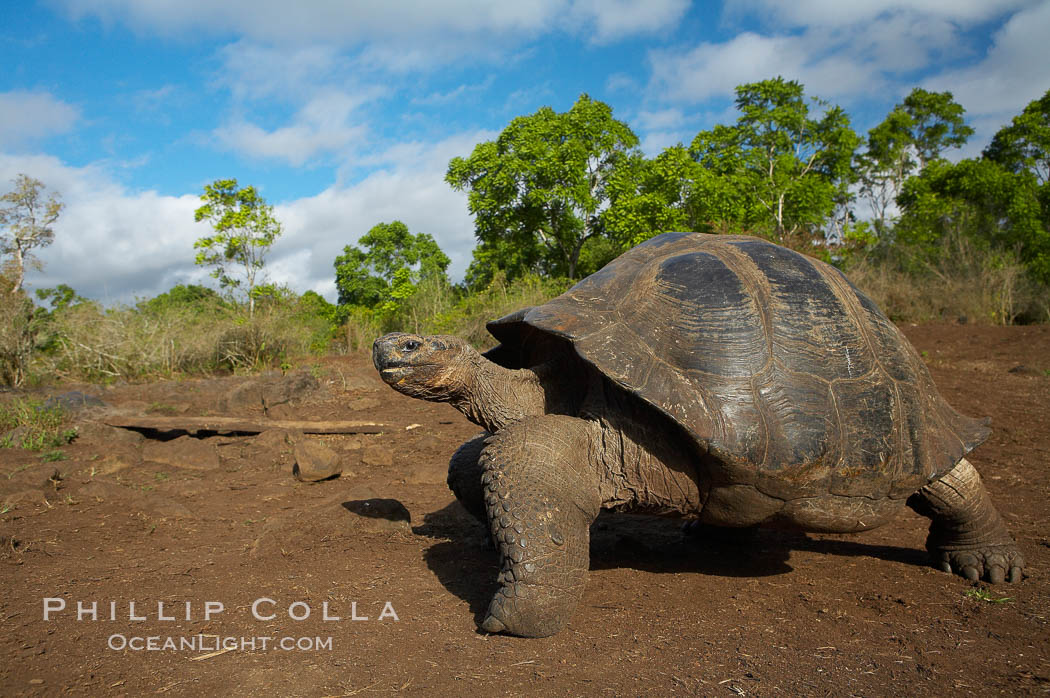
(994,564)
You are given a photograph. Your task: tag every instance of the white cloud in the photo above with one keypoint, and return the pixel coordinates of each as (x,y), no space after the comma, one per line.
(610,20)
(659,119)
(399,34)
(409,186)
(1015,71)
(837,49)
(1012,74)
(457,94)
(715,69)
(113,244)
(29,116)
(110,243)
(253,71)
(322,126)
(835,13)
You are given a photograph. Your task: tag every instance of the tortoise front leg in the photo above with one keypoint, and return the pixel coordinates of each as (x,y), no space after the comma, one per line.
(541,495)
(967,535)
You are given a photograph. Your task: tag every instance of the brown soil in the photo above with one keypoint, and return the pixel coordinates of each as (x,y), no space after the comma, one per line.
(131,519)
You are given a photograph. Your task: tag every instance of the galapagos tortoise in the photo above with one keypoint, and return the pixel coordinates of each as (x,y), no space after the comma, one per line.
(715,377)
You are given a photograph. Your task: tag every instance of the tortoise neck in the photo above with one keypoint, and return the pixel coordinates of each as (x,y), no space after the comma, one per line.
(497,396)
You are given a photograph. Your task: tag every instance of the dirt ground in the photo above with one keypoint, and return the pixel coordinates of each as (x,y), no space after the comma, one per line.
(132,518)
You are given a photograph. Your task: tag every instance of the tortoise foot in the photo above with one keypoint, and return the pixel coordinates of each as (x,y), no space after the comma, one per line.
(992,563)
(967,535)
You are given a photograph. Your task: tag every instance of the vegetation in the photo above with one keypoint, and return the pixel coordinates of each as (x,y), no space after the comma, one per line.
(536,192)
(30,425)
(556,196)
(244,231)
(25,223)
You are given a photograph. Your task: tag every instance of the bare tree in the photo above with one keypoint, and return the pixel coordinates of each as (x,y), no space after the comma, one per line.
(25,222)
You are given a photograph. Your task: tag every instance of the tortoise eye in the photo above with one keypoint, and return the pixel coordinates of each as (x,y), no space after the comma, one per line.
(410,345)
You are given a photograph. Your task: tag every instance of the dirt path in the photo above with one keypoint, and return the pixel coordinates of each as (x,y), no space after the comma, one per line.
(122,519)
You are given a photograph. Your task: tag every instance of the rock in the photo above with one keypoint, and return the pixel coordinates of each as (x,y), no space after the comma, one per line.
(314,461)
(112,463)
(167,508)
(294,386)
(22,497)
(365,384)
(284,411)
(98,433)
(380,456)
(269,391)
(427,475)
(278,440)
(293,535)
(183,452)
(72,401)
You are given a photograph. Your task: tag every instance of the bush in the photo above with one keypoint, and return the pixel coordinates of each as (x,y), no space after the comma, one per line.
(178,335)
(960,280)
(468,317)
(18,330)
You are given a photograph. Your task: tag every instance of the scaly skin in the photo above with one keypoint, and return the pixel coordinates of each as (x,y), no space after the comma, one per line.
(542,496)
(464,476)
(967,535)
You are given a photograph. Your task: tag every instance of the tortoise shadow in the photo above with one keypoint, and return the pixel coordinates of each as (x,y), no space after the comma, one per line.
(466,564)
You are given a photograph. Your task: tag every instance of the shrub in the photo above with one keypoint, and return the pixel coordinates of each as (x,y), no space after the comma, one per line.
(960,281)
(18,330)
(171,337)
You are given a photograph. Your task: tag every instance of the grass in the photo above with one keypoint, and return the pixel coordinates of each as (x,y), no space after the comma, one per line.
(42,427)
(984,595)
(52,456)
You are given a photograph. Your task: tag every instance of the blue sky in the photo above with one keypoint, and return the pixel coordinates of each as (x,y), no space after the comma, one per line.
(345,114)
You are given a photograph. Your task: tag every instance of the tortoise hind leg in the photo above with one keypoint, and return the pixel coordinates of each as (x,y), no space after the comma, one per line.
(464,476)
(967,535)
(542,495)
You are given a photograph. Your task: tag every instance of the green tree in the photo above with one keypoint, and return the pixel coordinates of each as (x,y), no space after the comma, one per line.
(60,297)
(1025,143)
(388,267)
(26,218)
(538,190)
(792,165)
(915,132)
(936,124)
(191,297)
(245,228)
(980,199)
(651,196)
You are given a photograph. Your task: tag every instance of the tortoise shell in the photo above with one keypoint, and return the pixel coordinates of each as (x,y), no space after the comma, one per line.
(784,374)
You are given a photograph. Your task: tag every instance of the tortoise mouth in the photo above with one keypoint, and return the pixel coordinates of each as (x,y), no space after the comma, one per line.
(399,370)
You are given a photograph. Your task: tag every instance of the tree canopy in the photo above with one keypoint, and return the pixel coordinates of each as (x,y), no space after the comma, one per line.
(26,217)
(387,267)
(915,132)
(538,190)
(791,164)
(245,228)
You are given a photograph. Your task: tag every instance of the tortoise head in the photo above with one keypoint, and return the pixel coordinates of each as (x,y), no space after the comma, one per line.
(428,367)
